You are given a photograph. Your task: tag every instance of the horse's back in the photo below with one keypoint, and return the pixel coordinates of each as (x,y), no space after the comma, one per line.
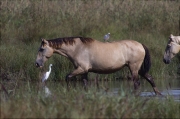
(124,47)
(111,56)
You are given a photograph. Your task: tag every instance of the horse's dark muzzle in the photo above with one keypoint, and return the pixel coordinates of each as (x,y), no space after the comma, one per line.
(166,61)
(37,65)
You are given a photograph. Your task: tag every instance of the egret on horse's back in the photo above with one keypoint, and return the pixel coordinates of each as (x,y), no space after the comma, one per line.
(106,37)
(89,55)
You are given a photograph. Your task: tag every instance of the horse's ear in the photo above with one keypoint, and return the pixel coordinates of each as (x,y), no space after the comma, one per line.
(171,36)
(44,41)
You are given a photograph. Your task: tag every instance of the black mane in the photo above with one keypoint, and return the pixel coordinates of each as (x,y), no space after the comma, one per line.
(68,41)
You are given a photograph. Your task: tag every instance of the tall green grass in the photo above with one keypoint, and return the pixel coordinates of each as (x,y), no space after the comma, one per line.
(29,101)
(24,22)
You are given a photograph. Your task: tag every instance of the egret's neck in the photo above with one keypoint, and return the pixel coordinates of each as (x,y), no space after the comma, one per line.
(49,68)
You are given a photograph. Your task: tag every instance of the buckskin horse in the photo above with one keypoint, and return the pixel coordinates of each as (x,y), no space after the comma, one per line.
(172,48)
(89,55)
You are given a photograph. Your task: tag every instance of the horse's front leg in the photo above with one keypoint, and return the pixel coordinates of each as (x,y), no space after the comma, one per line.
(77,71)
(85,79)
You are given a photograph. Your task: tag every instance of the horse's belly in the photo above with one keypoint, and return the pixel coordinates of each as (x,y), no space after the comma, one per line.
(105,69)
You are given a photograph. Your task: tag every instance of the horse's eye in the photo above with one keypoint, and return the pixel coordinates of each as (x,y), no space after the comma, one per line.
(168,46)
(170,39)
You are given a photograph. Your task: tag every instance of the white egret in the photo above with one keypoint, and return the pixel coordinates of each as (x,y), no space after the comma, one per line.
(46,75)
(106,37)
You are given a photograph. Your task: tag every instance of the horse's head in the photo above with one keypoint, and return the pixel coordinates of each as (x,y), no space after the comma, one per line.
(171,50)
(45,52)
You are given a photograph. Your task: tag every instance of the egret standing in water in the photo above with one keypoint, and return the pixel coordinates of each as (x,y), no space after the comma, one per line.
(46,75)
(106,37)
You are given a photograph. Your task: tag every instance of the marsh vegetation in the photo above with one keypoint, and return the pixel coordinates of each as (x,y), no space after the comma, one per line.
(113,99)
(24,22)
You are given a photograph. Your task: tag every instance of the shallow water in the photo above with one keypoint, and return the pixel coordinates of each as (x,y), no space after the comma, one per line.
(168,87)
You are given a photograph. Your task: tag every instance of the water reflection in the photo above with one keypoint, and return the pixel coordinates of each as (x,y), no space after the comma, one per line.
(113,88)
(167,87)
(47,91)
(175,93)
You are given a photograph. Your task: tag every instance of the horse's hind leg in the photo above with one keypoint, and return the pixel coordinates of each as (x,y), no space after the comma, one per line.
(136,81)
(134,72)
(150,79)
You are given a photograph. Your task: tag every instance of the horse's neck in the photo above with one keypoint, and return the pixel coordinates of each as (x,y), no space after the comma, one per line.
(66,50)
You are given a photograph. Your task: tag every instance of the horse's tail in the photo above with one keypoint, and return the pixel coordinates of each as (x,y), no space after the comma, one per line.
(146,65)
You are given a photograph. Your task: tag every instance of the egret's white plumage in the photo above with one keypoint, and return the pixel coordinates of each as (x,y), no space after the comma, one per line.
(46,75)
(106,37)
